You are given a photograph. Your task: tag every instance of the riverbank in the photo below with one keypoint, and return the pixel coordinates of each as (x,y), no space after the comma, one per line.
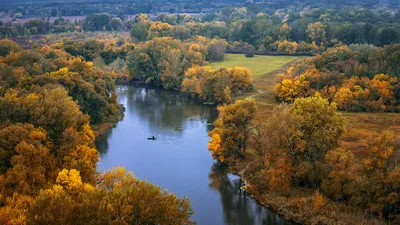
(102,128)
(297,205)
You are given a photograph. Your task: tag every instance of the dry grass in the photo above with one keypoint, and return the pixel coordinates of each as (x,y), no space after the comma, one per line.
(362,128)
(267,82)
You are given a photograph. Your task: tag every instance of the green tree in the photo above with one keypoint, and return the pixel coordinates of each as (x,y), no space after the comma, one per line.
(139,31)
(317,32)
(96,22)
(390,35)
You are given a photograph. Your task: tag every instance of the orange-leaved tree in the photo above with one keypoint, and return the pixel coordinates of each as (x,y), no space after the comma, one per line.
(232,129)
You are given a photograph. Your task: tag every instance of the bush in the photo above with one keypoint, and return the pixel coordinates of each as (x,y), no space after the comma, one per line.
(249,54)
(216,50)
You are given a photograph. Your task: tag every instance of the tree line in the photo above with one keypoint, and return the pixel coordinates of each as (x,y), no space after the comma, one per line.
(358,77)
(19,8)
(49,100)
(303,30)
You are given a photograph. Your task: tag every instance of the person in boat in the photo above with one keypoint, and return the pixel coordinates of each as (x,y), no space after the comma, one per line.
(152,138)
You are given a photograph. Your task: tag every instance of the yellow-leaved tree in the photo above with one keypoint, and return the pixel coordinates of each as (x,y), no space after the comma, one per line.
(118,198)
(232,130)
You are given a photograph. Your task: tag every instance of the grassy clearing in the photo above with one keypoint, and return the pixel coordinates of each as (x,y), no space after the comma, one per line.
(362,128)
(259,64)
(264,69)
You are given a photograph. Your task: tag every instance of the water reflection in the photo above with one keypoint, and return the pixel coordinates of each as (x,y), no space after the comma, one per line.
(238,207)
(165,110)
(178,160)
(165,114)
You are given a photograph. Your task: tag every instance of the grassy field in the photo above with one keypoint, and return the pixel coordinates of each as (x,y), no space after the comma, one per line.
(259,64)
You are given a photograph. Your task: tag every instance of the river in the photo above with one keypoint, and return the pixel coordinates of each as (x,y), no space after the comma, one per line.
(178,160)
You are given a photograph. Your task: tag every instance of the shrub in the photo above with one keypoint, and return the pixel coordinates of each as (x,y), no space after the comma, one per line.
(249,54)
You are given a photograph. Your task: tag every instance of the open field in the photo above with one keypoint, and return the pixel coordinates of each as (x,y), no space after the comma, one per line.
(363,128)
(259,64)
(264,69)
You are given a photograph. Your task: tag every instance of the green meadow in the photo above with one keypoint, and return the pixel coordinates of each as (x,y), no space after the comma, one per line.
(259,64)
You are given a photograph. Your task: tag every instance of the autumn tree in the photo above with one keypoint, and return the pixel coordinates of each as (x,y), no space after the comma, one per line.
(77,151)
(290,89)
(195,80)
(284,32)
(158,29)
(339,182)
(52,68)
(26,160)
(384,84)
(343,98)
(241,78)
(377,188)
(297,138)
(32,167)
(15,209)
(217,85)
(232,129)
(287,47)
(89,49)
(173,64)
(119,198)
(317,32)
(56,111)
(163,61)
(141,17)
(273,139)
(321,126)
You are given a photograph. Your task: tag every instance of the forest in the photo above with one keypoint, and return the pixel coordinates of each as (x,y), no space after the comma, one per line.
(290,133)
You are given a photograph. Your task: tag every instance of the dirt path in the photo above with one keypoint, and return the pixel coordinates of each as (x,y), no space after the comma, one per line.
(260,92)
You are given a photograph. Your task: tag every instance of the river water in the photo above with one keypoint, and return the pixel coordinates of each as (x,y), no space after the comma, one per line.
(178,160)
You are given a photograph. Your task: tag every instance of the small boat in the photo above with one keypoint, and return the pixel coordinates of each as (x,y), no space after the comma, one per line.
(152,138)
